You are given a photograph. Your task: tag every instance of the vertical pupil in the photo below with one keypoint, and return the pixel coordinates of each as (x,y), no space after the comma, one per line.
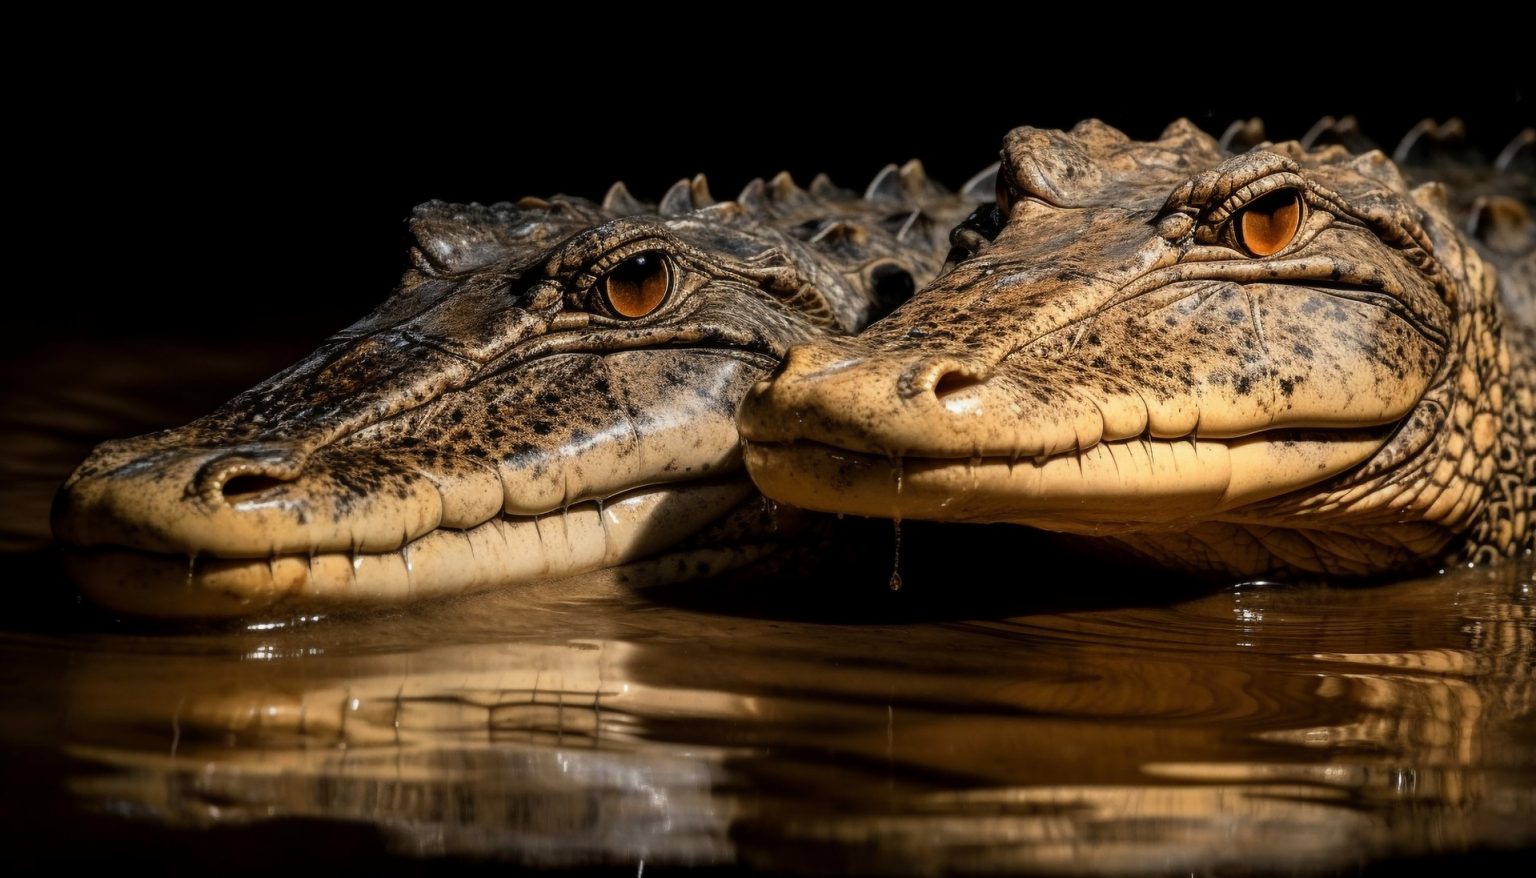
(636,286)
(1268,225)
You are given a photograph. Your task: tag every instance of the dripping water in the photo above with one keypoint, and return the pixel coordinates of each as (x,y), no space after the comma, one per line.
(895,581)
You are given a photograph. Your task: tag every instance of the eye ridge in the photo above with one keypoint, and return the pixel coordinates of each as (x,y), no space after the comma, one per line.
(1269,223)
(639,285)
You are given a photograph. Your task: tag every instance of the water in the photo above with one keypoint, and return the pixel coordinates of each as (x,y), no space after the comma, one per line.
(1091,721)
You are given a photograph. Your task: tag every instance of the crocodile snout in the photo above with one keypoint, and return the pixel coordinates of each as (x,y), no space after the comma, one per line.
(249,501)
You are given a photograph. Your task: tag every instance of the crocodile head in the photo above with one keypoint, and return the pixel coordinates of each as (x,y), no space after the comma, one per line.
(551,390)
(1277,360)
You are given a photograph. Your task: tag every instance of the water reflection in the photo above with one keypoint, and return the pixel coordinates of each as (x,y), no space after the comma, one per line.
(527,750)
(1261,727)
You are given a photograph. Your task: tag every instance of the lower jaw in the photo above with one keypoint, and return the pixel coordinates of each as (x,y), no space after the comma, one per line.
(1114,487)
(638,526)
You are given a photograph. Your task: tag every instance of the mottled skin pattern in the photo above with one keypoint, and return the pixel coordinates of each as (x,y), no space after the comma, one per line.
(1112,361)
(499,418)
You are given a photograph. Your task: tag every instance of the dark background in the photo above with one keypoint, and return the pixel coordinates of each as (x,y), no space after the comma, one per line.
(197,195)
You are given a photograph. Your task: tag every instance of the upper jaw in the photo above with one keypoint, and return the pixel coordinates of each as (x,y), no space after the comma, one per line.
(1020,445)
(569,464)
(557,431)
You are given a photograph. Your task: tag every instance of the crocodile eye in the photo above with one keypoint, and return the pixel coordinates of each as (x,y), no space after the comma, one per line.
(1269,223)
(638,285)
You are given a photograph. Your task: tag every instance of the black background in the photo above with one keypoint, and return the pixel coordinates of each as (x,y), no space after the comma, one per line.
(195,194)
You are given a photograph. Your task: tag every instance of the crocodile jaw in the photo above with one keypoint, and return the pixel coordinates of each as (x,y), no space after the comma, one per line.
(474,488)
(1113,487)
(640,524)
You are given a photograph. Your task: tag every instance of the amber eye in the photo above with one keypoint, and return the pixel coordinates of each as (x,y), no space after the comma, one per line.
(638,285)
(1269,224)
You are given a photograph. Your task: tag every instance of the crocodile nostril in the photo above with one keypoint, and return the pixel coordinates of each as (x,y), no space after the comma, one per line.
(954,382)
(237,478)
(940,376)
(244,487)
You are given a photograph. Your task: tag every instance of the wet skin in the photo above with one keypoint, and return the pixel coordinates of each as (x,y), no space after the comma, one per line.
(551,390)
(1278,361)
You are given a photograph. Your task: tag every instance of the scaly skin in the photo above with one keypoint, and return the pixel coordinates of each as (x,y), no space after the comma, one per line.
(499,418)
(1114,361)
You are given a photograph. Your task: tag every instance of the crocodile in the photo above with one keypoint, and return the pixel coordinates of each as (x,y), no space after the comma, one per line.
(1275,361)
(550,390)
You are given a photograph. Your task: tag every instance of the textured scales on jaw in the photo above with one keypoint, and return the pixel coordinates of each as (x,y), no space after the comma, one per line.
(1457,482)
(1108,308)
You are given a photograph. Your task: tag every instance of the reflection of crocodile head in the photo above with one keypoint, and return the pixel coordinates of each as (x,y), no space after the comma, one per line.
(1277,360)
(551,389)
(524,749)
(1265,727)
